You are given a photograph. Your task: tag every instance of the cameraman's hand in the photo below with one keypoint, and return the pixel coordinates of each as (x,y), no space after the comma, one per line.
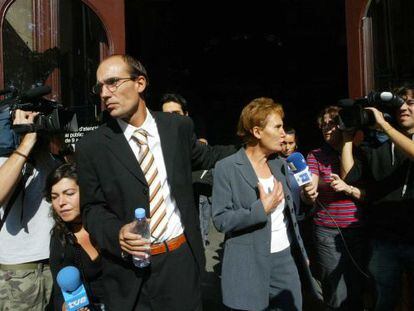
(11,169)
(381,123)
(29,139)
(24,117)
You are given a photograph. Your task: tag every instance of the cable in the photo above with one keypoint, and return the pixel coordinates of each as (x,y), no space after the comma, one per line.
(343,240)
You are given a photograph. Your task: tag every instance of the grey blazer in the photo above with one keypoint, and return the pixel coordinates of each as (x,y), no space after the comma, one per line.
(239,213)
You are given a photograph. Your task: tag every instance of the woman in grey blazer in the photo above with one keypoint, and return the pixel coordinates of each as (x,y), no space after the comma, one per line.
(253,206)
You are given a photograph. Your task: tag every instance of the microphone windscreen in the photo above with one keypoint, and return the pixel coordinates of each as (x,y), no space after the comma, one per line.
(69,278)
(7,90)
(36,92)
(346,102)
(296,162)
(386,96)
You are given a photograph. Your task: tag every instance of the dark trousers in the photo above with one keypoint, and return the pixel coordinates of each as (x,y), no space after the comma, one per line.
(285,288)
(172,282)
(387,263)
(285,293)
(342,283)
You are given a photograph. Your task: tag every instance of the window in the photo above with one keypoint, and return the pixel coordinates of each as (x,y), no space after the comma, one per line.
(392,42)
(58,43)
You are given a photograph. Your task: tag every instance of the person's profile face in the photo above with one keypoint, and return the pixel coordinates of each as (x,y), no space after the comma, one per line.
(330,131)
(121,101)
(405,115)
(65,199)
(289,144)
(173,107)
(272,135)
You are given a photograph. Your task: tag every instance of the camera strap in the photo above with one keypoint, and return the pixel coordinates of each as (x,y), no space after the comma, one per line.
(404,189)
(19,190)
(28,171)
(24,128)
(10,203)
(407,175)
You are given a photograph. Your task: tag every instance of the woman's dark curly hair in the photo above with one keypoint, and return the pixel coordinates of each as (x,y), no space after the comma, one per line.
(61,229)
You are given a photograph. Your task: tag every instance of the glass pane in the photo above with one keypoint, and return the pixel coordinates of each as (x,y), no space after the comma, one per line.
(70,50)
(393,42)
(18,45)
(80,39)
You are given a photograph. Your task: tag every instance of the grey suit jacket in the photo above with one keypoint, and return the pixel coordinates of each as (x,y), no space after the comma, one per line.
(239,213)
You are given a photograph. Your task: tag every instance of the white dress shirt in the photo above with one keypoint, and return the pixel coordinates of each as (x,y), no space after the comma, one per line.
(175,226)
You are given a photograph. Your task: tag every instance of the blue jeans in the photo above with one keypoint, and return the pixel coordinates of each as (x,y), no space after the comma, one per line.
(342,283)
(388,261)
(7,136)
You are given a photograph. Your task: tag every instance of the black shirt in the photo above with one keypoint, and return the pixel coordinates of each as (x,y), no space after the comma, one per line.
(388,178)
(69,255)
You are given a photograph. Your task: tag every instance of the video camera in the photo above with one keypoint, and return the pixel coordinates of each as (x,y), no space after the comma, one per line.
(354,116)
(53,117)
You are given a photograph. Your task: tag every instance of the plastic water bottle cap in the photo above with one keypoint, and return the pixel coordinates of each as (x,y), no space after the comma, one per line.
(139,213)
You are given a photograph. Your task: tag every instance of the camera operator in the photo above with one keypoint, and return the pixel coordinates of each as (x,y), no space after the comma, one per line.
(387,173)
(25,223)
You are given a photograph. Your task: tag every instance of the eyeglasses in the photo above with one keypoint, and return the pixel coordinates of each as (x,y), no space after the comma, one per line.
(328,126)
(112,84)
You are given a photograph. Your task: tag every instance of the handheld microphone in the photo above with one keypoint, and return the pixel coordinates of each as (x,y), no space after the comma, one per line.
(73,290)
(299,168)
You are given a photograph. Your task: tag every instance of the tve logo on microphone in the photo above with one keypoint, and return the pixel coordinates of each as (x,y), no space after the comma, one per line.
(75,301)
(299,168)
(72,288)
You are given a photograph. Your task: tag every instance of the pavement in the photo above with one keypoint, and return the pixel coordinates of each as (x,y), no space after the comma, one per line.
(210,282)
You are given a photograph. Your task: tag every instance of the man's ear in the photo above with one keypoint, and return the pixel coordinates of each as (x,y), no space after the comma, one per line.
(141,83)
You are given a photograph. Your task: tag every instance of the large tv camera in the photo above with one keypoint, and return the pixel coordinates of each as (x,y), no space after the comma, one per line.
(353,114)
(52,117)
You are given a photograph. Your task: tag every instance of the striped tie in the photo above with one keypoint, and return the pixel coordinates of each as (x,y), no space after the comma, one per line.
(159,221)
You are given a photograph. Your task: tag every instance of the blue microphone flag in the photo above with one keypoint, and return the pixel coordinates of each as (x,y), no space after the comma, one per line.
(299,168)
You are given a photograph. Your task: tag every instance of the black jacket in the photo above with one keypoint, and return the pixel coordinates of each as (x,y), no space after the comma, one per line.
(112,186)
(385,172)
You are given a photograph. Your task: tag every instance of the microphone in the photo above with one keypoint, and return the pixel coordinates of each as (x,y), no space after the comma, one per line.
(7,90)
(299,168)
(73,290)
(23,101)
(35,92)
(346,102)
(386,99)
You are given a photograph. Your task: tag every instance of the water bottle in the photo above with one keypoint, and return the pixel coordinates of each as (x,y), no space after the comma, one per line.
(141,227)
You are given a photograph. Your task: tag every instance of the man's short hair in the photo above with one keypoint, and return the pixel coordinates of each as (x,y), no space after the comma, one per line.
(173,97)
(404,89)
(290,131)
(136,68)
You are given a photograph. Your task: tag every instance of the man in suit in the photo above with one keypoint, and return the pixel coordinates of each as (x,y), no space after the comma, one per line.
(113,185)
